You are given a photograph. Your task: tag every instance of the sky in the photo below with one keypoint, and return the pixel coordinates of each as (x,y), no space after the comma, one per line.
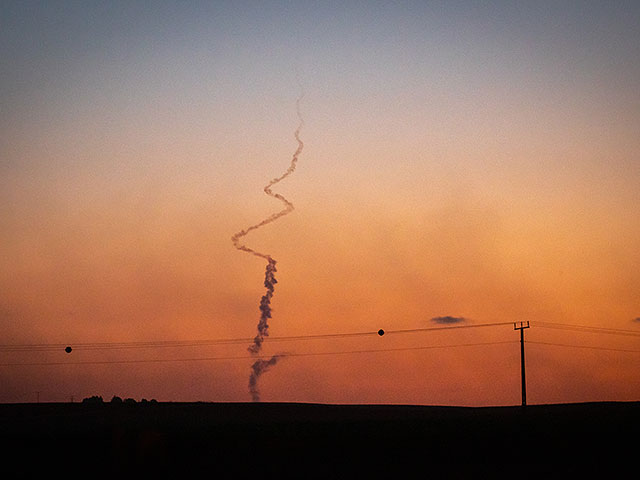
(464,163)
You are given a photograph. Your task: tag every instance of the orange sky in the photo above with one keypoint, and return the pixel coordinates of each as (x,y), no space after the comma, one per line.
(466,169)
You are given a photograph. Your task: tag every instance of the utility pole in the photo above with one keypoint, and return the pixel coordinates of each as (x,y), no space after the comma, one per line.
(521,327)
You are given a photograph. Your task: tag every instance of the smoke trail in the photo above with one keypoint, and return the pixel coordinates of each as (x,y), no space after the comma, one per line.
(265,307)
(260,366)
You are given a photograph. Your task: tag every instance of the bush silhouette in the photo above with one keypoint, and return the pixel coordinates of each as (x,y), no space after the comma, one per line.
(94,400)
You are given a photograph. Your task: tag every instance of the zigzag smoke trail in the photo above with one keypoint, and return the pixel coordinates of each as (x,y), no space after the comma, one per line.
(260,366)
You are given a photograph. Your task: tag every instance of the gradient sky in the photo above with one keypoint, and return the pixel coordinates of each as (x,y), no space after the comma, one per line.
(464,159)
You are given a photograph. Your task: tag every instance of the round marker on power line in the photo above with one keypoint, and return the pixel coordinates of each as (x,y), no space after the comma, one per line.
(381,332)
(68,349)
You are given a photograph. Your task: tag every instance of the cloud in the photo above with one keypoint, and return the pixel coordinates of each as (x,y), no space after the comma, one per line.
(448,320)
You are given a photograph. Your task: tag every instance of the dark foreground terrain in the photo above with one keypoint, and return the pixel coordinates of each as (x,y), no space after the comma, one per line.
(238,440)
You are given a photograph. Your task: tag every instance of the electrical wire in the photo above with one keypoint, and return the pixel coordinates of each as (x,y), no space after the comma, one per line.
(245,357)
(535,342)
(44,347)
(227,341)
(587,328)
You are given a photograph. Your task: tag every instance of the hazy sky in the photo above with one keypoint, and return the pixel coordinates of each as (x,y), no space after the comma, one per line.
(473,160)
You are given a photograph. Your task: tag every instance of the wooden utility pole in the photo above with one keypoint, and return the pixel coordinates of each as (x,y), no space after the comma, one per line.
(521,327)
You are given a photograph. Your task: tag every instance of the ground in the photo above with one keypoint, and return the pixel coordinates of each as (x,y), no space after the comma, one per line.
(228,440)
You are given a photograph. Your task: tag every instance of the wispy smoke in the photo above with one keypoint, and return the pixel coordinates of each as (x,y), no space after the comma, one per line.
(260,366)
(447,320)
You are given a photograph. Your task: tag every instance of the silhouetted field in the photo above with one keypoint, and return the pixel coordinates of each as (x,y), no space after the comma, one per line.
(236,440)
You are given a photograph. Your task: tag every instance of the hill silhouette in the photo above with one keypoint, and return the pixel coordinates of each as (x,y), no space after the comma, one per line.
(316,440)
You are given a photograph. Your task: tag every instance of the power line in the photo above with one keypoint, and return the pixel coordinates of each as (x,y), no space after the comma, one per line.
(227,341)
(452,327)
(245,357)
(231,341)
(583,346)
(587,328)
(44,347)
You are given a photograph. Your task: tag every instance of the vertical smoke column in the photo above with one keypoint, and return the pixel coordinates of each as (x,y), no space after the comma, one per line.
(260,366)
